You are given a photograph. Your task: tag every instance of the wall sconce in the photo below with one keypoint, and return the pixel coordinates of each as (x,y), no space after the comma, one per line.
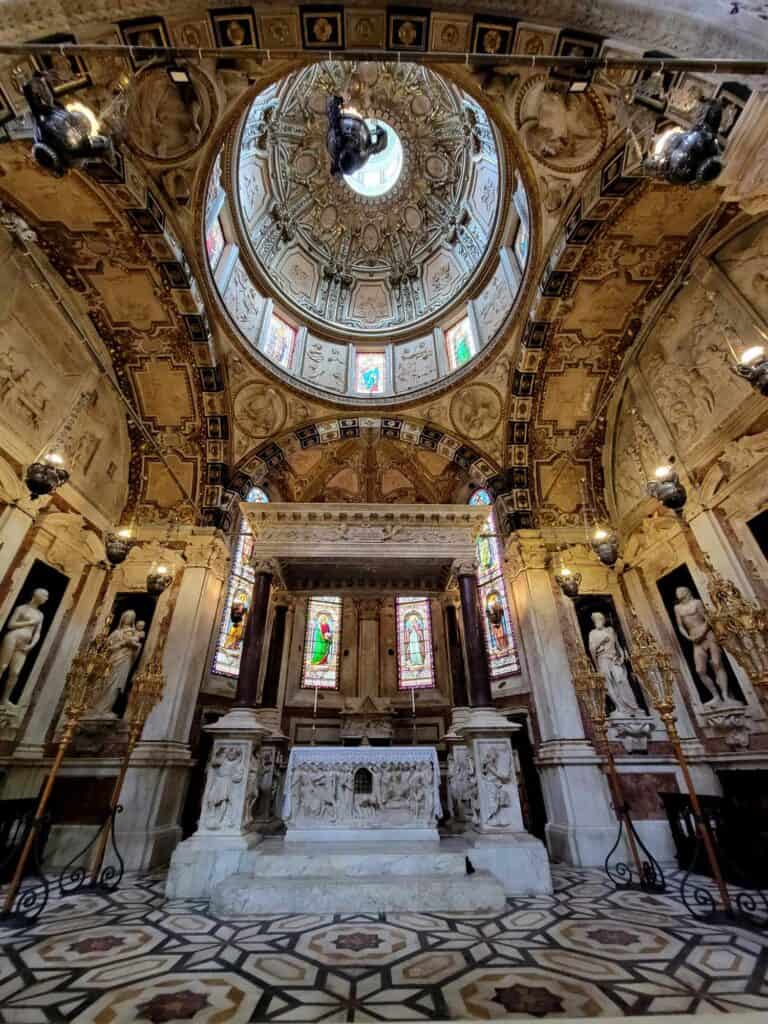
(159,578)
(117,544)
(605,544)
(568,581)
(43,476)
(667,489)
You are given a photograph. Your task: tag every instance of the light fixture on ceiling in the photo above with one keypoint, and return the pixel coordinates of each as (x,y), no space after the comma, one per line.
(65,137)
(350,142)
(45,475)
(753,367)
(667,489)
(605,544)
(689,156)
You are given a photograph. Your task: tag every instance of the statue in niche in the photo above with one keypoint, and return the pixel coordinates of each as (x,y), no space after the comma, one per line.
(611,662)
(22,635)
(692,621)
(124,646)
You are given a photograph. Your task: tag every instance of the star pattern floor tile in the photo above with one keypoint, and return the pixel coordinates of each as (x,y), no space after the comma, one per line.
(586,951)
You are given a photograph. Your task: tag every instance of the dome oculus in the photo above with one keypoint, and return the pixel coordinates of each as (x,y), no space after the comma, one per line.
(382,170)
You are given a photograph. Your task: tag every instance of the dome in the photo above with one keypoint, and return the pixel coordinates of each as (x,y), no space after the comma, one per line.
(373,273)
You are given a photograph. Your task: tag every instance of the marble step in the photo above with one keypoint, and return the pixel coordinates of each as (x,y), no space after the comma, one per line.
(352,860)
(244,895)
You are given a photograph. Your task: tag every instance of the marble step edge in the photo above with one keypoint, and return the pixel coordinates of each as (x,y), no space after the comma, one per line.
(242,895)
(358,864)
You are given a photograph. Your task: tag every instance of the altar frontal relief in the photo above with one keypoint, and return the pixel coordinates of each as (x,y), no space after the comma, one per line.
(321,644)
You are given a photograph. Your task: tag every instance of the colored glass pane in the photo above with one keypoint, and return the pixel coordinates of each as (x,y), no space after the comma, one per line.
(281,342)
(321,643)
(229,646)
(214,243)
(460,343)
(415,661)
(503,659)
(370,370)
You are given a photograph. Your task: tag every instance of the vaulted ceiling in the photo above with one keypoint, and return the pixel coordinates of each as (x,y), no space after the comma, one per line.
(604,246)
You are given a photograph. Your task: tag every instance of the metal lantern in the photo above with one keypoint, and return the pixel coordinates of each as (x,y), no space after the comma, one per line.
(568,581)
(605,544)
(689,156)
(753,367)
(45,476)
(117,545)
(159,578)
(65,136)
(741,627)
(667,489)
(350,141)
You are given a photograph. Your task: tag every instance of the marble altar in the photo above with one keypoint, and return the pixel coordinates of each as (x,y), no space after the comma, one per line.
(344,793)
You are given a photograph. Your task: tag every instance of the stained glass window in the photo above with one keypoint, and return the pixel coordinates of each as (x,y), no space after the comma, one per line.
(370,372)
(500,641)
(460,343)
(281,342)
(321,643)
(214,243)
(229,647)
(415,661)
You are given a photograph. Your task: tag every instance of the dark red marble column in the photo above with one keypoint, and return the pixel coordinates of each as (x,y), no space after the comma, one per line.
(477,663)
(253,642)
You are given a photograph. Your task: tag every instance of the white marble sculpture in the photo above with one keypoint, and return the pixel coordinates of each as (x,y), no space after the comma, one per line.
(692,621)
(338,790)
(124,646)
(226,775)
(21,636)
(611,662)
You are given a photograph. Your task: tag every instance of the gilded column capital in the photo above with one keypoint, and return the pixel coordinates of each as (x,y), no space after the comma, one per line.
(464,567)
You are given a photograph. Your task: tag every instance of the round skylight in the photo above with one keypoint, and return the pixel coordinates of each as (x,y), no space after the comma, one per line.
(382,170)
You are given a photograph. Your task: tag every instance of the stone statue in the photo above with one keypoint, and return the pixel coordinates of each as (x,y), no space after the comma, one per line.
(124,645)
(611,662)
(22,634)
(496,777)
(692,621)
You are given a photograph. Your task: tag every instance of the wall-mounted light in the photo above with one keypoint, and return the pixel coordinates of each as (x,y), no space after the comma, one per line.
(605,544)
(753,367)
(159,578)
(45,475)
(117,544)
(667,489)
(568,581)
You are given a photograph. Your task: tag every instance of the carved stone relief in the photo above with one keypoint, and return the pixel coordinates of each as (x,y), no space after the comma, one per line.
(566,132)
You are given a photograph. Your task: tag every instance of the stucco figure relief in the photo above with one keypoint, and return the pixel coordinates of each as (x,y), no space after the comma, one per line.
(564,131)
(20,637)
(226,772)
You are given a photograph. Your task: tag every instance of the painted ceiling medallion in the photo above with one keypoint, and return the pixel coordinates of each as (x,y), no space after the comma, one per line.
(369,253)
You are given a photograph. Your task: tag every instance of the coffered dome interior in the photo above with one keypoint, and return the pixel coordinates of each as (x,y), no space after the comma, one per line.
(368,285)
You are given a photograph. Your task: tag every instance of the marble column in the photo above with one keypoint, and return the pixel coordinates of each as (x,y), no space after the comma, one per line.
(581,827)
(253,639)
(274,657)
(479,681)
(368,648)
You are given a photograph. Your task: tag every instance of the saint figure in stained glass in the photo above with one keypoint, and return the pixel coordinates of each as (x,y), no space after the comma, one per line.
(497,621)
(322,640)
(484,553)
(414,640)
(238,612)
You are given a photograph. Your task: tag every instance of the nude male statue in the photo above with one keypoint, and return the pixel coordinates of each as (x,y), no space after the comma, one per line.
(21,635)
(691,618)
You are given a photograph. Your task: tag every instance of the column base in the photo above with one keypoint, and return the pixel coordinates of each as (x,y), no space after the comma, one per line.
(202,861)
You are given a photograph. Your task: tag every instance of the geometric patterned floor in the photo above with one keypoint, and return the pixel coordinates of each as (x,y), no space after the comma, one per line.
(585,951)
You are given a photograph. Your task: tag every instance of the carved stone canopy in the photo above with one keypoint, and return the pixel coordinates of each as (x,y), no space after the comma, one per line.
(404,547)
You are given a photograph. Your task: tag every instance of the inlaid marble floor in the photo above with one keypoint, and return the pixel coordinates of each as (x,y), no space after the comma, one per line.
(586,951)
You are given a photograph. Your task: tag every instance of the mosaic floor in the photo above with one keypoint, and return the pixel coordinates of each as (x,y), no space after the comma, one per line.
(585,951)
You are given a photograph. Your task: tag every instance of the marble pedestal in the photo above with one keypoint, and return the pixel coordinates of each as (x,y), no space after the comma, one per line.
(500,843)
